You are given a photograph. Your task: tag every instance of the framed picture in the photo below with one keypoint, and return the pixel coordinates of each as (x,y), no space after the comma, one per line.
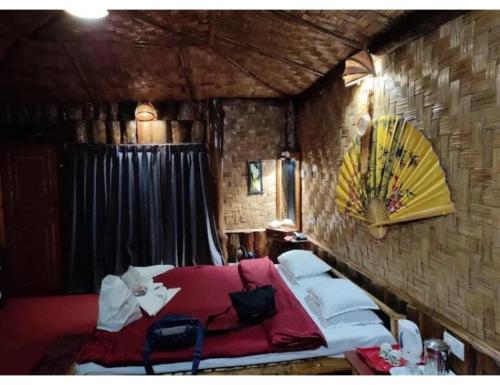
(254,171)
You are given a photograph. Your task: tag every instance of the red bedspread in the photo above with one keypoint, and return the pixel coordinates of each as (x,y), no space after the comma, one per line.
(204,292)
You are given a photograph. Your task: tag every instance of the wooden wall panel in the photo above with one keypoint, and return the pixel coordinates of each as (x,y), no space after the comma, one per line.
(447,83)
(253,130)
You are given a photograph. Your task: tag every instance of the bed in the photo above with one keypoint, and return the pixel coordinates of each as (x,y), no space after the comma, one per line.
(323,359)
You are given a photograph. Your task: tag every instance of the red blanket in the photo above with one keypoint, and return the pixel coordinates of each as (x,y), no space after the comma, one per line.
(204,291)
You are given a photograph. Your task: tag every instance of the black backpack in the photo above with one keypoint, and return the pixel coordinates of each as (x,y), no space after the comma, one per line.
(174,332)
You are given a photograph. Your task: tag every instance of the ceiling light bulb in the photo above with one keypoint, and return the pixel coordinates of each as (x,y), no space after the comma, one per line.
(88,12)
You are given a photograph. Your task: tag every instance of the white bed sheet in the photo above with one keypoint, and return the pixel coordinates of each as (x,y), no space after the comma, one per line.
(339,340)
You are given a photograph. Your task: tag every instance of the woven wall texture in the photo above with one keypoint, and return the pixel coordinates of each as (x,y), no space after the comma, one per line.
(253,130)
(448,84)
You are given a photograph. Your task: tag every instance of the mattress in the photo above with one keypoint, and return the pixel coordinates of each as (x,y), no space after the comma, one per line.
(339,340)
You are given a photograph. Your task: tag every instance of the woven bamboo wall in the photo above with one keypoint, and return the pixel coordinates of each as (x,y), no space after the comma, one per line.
(253,130)
(448,84)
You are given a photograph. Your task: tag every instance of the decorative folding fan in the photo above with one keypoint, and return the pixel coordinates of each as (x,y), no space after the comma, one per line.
(403,180)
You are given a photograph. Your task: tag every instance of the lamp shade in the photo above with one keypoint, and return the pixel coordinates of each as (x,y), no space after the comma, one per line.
(358,67)
(145,112)
(88,12)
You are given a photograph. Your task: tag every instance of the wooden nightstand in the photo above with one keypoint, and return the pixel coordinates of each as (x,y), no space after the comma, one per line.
(277,244)
(358,365)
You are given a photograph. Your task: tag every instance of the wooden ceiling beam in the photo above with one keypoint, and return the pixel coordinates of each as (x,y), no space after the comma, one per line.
(242,68)
(9,31)
(383,16)
(291,18)
(212,21)
(78,68)
(117,42)
(410,27)
(272,55)
(47,23)
(142,17)
(187,76)
(13,48)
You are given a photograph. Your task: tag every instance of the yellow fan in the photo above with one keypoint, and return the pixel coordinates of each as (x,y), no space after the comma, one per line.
(404,180)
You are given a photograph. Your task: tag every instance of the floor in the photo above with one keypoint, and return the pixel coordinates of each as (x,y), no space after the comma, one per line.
(28,326)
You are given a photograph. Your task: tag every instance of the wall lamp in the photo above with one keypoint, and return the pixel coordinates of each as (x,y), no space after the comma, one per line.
(357,68)
(145,112)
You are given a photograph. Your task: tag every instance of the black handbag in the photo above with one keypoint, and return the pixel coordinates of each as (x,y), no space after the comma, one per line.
(255,305)
(252,307)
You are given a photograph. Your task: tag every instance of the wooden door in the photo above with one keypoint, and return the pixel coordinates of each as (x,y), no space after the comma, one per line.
(32,219)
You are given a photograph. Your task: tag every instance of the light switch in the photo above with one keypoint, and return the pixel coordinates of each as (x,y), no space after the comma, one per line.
(456,347)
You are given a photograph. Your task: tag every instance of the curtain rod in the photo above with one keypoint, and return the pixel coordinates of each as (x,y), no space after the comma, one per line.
(67,144)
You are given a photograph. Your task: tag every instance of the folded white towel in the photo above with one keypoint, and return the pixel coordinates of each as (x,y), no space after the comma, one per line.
(117,306)
(134,280)
(156,297)
(153,271)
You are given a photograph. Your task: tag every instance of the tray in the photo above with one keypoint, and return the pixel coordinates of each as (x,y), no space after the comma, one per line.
(373,360)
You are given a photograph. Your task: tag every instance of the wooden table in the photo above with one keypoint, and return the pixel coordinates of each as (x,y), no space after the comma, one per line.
(277,244)
(358,364)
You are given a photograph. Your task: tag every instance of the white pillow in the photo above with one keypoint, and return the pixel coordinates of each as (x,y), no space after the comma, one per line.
(288,275)
(302,263)
(353,318)
(317,279)
(339,296)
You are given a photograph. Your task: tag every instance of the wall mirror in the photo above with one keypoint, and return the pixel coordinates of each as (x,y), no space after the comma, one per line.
(288,188)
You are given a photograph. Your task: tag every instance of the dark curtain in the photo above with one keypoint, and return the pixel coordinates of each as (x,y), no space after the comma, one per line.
(137,205)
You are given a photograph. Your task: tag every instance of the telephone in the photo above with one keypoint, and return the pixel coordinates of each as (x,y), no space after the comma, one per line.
(299,236)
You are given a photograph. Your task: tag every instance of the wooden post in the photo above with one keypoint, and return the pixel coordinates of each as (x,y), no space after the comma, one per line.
(215,147)
(169,111)
(115,132)
(154,131)
(186,111)
(81,132)
(179,131)
(130,132)
(113,111)
(101,111)
(198,132)
(99,132)
(247,241)
(260,243)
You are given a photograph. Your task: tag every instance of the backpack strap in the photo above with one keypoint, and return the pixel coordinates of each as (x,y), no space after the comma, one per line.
(148,348)
(198,348)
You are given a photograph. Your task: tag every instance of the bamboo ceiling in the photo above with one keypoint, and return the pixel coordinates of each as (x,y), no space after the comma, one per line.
(160,55)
